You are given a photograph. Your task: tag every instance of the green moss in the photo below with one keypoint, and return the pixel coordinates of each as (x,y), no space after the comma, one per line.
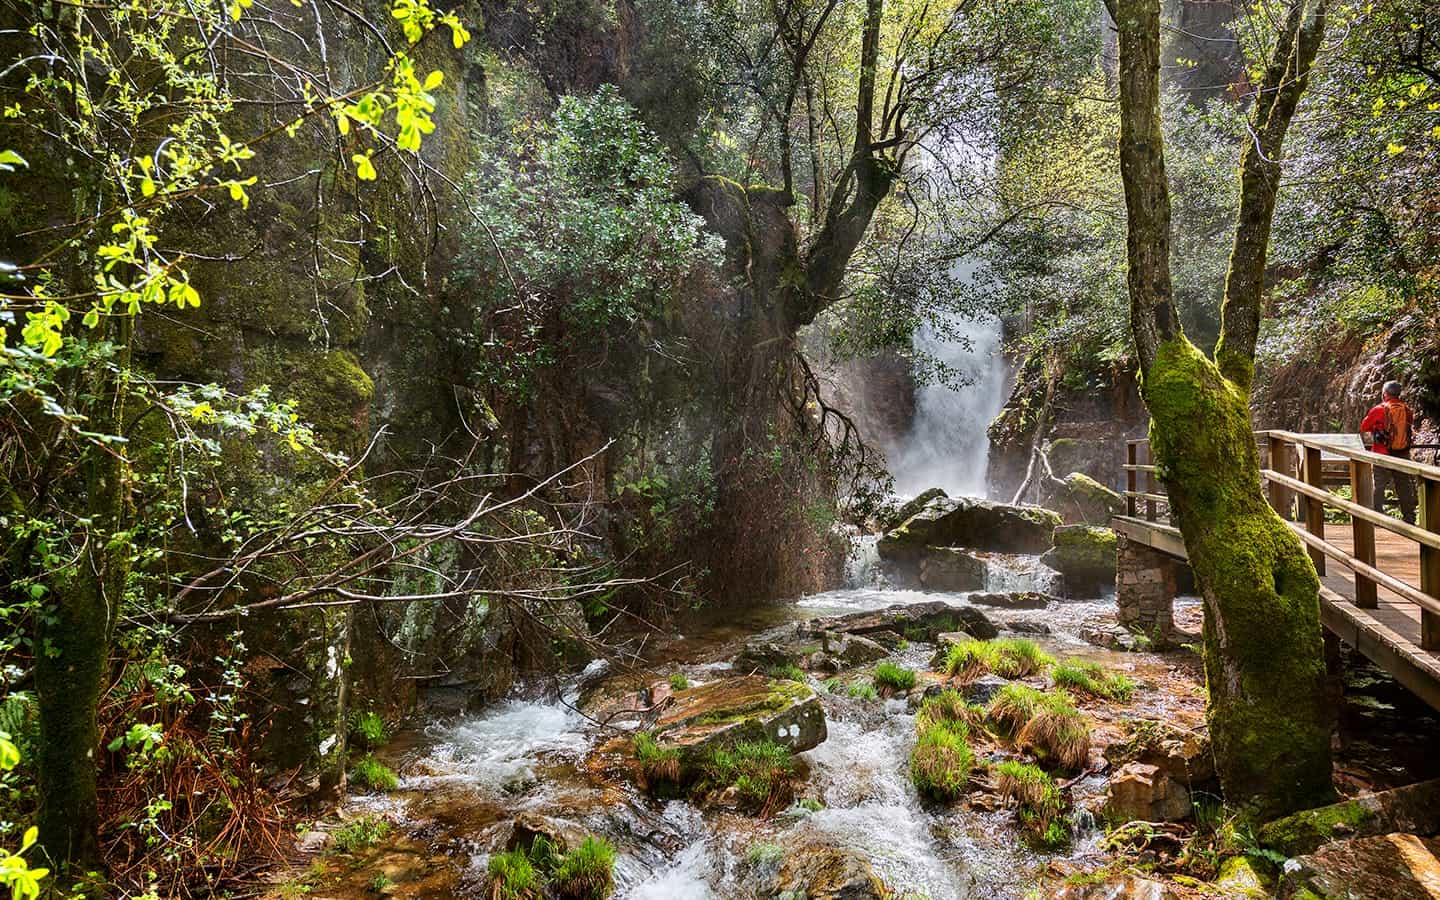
(678,682)
(1305,831)
(1268,716)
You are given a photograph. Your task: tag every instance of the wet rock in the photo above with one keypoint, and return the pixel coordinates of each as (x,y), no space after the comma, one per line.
(1124,887)
(1391,865)
(1413,808)
(1013,600)
(1085,556)
(1180,753)
(1108,635)
(971,522)
(313,841)
(819,872)
(983,689)
(915,621)
(951,569)
(1144,792)
(748,707)
(1025,626)
(851,650)
(529,827)
(914,506)
(764,656)
(1084,501)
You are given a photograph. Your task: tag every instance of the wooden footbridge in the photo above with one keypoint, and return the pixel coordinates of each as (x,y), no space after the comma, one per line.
(1379,577)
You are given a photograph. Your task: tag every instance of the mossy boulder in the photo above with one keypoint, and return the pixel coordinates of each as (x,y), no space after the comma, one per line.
(1413,808)
(747,708)
(822,872)
(1084,501)
(1085,556)
(913,506)
(1239,877)
(971,522)
(1390,865)
(915,621)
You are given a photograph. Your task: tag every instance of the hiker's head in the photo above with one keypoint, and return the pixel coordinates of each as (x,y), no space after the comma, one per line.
(1392,389)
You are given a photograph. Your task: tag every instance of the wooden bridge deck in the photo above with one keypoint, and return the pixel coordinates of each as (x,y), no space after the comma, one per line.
(1396,633)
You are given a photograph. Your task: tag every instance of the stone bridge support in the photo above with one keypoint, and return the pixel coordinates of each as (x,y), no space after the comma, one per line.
(1146,582)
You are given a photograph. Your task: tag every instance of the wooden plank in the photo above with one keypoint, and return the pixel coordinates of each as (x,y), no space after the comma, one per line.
(1150,485)
(1391,583)
(1314,508)
(1390,650)
(1374,517)
(1362,532)
(1430,564)
(1157,536)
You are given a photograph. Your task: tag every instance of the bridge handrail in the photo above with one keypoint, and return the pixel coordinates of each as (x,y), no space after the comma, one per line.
(1287,452)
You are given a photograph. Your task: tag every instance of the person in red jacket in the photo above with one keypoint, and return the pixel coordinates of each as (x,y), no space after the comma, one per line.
(1387,429)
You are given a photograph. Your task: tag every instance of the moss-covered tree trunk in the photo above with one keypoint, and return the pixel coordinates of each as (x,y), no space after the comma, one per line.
(1264,653)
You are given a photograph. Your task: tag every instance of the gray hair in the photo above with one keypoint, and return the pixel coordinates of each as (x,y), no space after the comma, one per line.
(1392,389)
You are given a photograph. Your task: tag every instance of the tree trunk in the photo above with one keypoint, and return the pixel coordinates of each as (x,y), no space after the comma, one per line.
(1264,655)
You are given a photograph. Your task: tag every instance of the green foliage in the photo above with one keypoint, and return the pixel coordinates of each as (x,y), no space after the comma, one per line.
(587,872)
(511,876)
(370,772)
(1047,725)
(941,761)
(760,771)
(764,854)
(1040,805)
(360,834)
(16,872)
(1091,678)
(787,672)
(890,678)
(678,682)
(1008,658)
(862,690)
(368,730)
(949,706)
(659,767)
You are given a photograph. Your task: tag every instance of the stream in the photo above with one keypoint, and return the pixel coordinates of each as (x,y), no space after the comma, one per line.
(464,781)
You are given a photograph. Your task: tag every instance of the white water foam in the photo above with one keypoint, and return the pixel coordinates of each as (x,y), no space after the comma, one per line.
(501,746)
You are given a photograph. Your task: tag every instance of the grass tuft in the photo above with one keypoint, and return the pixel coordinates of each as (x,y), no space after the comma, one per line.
(941,762)
(370,772)
(511,876)
(1047,725)
(1091,678)
(862,690)
(678,682)
(890,678)
(360,834)
(368,731)
(762,773)
(659,767)
(949,706)
(587,872)
(787,672)
(1040,805)
(1008,658)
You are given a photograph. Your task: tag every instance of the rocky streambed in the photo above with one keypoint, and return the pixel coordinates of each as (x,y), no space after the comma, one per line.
(630,754)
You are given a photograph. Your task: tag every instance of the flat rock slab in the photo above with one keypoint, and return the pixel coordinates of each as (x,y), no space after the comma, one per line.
(747,708)
(1123,887)
(1413,808)
(971,522)
(916,621)
(1014,600)
(1391,865)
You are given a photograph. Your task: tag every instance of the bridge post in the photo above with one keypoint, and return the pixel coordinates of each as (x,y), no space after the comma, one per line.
(1314,509)
(1362,491)
(1132,481)
(1279,462)
(1145,588)
(1429,562)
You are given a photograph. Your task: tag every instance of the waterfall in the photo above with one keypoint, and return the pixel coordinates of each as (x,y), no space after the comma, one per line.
(947,446)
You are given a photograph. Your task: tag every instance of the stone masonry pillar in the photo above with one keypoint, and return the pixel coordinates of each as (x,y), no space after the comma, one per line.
(1145,588)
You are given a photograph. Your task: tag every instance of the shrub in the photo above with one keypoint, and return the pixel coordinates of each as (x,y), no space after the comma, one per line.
(587,872)
(678,682)
(370,772)
(368,730)
(941,762)
(511,876)
(1039,803)
(358,834)
(760,771)
(891,678)
(863,690)
(1091,678)
(659,766)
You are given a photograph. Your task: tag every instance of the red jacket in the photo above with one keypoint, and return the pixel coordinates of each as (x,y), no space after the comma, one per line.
(1377,420)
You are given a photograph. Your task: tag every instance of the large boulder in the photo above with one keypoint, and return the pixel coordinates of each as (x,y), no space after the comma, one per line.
(763,656)
(1413,808)
(1180,753)
(1082,500)
(971,522)
(1117,887)
(915,621)
(1144,792)
(1391,865)
(822,872)
(1085,556)
(951,569)
(1013,600)
(746,708)
(913,506)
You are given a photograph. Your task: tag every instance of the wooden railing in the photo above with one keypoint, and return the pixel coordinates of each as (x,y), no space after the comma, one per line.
(1298,470)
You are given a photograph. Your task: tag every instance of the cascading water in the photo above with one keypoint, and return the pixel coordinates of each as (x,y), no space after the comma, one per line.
(947,446)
